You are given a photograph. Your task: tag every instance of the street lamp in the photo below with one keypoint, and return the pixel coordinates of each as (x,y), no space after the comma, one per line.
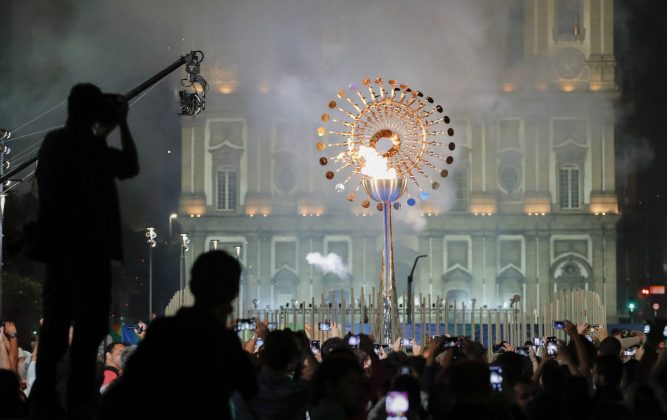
(240,299)
(171,220)
(151,234)
(185,241)
(410,302)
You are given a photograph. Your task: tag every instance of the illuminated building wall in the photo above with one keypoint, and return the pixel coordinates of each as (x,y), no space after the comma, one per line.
(532,204)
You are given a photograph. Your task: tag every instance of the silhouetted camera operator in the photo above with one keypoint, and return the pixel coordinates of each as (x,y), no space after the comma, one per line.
(79,234)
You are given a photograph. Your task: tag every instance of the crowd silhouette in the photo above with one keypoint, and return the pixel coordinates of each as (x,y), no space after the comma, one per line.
(194,365)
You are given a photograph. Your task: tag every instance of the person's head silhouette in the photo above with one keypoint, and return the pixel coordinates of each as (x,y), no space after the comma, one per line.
(215,278)
(84,105)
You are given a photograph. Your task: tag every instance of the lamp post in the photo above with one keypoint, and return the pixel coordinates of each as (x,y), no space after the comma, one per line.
(151,234)
(237,248)
(185,241)
(171,221)
(4,164)
(409,306)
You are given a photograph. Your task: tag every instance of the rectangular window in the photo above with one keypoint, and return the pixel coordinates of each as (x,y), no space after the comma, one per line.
(515,35)
(285,255)
(461,191)
(569,17)
(340,248)
(227,189)
(569,187)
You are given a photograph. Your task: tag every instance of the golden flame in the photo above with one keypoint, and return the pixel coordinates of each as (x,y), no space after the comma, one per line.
(375,166)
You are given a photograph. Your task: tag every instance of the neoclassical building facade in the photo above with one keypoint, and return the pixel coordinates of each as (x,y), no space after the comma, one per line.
(531,207)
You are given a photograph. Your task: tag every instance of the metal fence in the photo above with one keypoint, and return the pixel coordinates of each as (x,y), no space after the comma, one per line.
(432,316)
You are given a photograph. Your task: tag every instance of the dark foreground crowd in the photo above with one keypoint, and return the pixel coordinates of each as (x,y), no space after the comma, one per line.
(195,366)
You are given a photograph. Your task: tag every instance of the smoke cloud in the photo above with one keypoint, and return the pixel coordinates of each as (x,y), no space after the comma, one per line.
(331,263)
(270,60)
(413,218)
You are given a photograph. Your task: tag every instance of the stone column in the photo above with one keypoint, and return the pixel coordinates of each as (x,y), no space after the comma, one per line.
(491,270)
(543,262)
(478,269)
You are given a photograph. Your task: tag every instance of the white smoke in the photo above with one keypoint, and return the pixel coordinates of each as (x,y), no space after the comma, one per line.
(413,218)
(331,263)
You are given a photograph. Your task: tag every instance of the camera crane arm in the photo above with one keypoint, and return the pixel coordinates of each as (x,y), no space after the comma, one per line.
(190,103)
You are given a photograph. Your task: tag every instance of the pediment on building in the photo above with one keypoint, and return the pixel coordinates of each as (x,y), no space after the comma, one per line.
(570,151)
(457,274)
(511,273)
(226,154)
(285,279)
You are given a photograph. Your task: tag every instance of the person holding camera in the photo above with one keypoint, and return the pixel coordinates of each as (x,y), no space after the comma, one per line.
(77,193)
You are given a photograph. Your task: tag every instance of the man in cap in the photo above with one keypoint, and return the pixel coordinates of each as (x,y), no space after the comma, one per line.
(188,365)
(78,201)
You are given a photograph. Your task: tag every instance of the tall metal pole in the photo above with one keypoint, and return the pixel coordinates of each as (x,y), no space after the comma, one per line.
(409,305)
(4,136)
(185,241)
(151,235)
(239,300)
(386,191)
(387,292)
(171,221)
(2,223)
(150,283)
